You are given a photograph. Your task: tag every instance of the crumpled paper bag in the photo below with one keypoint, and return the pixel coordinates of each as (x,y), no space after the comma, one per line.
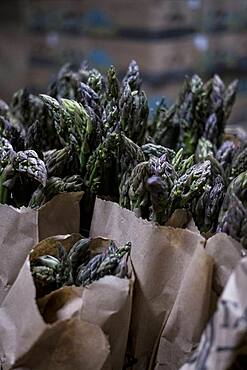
(106,303)
(27,342)
(162,260)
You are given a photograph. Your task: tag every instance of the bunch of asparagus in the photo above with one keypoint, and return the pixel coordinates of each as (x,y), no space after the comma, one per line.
(94,133)
(79,266)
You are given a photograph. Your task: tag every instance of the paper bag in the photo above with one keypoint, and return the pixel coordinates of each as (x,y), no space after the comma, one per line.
(20,230)
(161,259)
(106,302)
(223,344)
(27,342)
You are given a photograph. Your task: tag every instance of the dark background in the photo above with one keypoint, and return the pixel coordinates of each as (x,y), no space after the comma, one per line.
(168,38)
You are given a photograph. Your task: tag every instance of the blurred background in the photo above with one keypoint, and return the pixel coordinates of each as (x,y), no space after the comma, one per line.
(168,38)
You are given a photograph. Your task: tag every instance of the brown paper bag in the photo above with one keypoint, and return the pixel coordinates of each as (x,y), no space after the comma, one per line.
(162,257)
(223,344)
(20,230)
(106,302)
(26,341)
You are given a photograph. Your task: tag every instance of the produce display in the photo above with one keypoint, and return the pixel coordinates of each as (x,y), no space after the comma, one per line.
(168,193)
(92,132)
